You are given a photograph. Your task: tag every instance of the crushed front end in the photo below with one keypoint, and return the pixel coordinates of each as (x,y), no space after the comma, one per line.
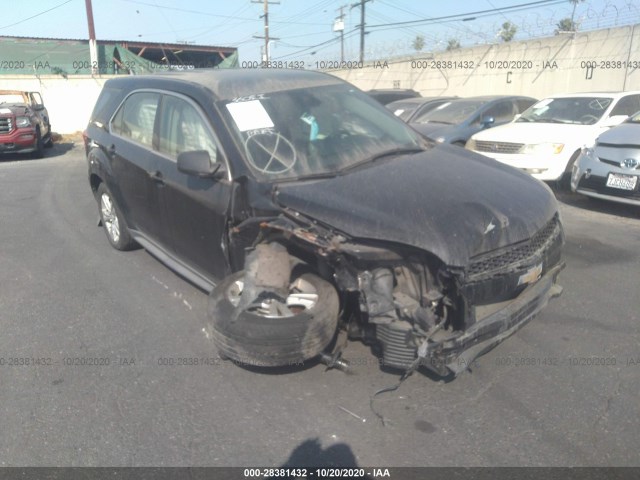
(416,310)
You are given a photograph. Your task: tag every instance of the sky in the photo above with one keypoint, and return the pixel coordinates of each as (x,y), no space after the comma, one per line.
(303,29)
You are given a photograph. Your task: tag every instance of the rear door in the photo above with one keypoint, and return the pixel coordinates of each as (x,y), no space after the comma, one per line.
(195,208)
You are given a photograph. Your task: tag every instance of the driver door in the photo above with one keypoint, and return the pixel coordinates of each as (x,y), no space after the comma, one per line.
(195,209)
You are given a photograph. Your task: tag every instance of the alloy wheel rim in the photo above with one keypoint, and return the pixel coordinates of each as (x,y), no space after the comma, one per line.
(302,296)
(109,217)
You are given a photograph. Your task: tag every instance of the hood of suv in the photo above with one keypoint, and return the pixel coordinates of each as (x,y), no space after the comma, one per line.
(14,109)
(448,201)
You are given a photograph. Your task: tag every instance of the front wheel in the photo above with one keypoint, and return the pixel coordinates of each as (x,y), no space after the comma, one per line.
(270,333)
(39,152)
(112,221)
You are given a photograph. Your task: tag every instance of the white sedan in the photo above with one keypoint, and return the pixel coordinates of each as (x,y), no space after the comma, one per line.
(546,139)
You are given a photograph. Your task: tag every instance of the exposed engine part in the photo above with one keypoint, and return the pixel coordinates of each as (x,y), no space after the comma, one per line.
(335,361)
(419,310)
(399,344)
(377,292)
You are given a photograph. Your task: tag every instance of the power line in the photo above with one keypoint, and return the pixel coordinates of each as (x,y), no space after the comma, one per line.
(462,16)
(37,14)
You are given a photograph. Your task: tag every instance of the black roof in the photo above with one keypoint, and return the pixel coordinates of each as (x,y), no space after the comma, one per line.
(227,84)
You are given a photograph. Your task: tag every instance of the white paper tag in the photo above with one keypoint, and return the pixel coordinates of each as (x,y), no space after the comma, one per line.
(249,115)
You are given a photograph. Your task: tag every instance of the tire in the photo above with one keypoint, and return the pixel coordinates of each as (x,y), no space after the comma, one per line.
(48,143)
(39,151)
(564,183)
(112,221)
(256,340)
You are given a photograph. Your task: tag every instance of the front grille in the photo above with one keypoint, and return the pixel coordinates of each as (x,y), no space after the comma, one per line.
(517,254)
(6,125)
(498,147)
(610,162)
(598,184)
(613,162)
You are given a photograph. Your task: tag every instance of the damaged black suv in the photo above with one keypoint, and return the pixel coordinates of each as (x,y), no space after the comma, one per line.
(306,209)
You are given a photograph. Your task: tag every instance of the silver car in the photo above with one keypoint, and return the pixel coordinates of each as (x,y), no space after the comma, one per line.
(610,169)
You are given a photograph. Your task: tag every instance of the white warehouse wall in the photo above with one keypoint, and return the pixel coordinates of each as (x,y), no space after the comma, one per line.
(537,68)
(69,101)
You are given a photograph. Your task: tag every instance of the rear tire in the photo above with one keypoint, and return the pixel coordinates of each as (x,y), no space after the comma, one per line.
(250,338)
(112,221)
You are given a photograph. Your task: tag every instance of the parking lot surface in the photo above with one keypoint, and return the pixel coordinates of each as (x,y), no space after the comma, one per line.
(103,360)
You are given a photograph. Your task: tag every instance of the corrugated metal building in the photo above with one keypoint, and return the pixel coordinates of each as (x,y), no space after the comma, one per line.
(51,56)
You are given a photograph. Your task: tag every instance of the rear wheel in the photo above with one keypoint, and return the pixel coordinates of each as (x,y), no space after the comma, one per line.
(112,221)
(270,333)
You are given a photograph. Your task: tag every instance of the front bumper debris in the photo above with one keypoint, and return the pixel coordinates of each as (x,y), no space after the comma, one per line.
(456,354)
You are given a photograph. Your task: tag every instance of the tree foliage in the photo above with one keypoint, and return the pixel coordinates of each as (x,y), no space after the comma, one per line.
(508,31)
(566,25)
(418,43)
(453,44)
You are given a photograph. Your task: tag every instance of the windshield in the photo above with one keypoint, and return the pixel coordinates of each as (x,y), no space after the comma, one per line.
(403,109)
(574,110)
(315,131)
(10,98)
(634,118)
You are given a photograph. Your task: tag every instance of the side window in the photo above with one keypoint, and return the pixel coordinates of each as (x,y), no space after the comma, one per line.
(182,129)
(502,112)
(136,117)
(522,104)
(626,106)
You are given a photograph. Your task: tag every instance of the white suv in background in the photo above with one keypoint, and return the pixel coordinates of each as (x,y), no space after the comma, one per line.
(546,139)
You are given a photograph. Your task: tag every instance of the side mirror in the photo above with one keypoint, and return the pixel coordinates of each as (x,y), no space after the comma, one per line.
(198,163)
(487,121)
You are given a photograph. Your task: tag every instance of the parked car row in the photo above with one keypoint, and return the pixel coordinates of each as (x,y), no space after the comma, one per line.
(547,139)
(563,138)
(457,120)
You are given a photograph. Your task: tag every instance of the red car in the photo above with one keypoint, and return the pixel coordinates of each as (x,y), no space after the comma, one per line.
(24,123)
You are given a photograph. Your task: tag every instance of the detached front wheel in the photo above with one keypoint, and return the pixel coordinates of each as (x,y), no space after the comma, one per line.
(270,332)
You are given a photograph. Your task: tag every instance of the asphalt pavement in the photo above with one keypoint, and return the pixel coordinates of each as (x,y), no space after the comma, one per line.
(104,362)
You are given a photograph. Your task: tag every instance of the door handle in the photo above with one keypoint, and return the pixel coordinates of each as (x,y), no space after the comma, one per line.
(157,177)
(112,149)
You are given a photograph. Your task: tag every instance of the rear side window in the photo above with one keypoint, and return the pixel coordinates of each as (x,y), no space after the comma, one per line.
(627,106)
(136,117)
(104,105)
(183,129)
(501,112)
(524,103)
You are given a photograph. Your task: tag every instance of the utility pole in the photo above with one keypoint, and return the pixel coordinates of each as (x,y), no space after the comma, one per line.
(361,4)
(266,27)
(93,47)
(338,26)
